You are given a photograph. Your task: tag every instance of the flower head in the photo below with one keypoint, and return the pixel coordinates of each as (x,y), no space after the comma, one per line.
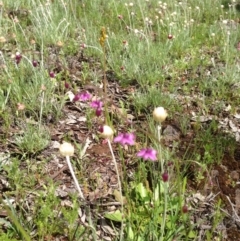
(96,104)
(106,131)
(148,154)
(159,114)
(66,149)
(85,96)
(125,138)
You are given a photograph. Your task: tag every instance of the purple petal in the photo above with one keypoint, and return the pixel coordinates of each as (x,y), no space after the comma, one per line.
(125,138)
(118,138)
(85,96)
(148,154)
(129,138)
(141,153)
(96,104)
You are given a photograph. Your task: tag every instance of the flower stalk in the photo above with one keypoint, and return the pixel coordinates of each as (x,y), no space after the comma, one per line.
(67,150)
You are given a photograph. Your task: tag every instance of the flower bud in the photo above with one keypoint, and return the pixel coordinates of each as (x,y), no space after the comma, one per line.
(51,74)
(66,149)
(159,114)
(34,63)
(165,177)
(185,209)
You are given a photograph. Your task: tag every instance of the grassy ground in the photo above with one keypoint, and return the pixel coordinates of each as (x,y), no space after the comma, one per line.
(91,73)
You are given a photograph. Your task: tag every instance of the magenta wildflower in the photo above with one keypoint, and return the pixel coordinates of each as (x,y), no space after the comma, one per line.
(125,139)
(85,96)
(96,104)
(148,154)
(165,176)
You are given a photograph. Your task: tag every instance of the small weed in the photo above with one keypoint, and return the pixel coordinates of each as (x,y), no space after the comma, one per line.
(32,140)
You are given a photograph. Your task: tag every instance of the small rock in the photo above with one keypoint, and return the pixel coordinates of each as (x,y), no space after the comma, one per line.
(171,134)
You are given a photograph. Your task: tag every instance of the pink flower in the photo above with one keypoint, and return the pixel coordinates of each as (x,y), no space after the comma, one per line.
(96,104)
(85,96)
(125,138)
(148,154)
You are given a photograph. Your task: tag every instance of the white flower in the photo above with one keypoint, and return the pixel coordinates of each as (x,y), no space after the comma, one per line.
(159,114)
(66,149)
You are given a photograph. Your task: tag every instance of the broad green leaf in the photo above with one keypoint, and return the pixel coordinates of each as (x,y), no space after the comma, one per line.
(141,190)
(192,234)
(114,216)
(130,233)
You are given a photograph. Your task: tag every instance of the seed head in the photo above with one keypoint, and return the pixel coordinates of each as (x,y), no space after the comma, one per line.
(66,149)
(159,114)
(106,132)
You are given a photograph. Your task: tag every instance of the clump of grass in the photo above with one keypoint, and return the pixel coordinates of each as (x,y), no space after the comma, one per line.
(32,140)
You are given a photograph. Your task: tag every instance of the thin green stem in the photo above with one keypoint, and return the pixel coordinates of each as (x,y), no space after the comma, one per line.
(14,219)
(41,110)
(165,212)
